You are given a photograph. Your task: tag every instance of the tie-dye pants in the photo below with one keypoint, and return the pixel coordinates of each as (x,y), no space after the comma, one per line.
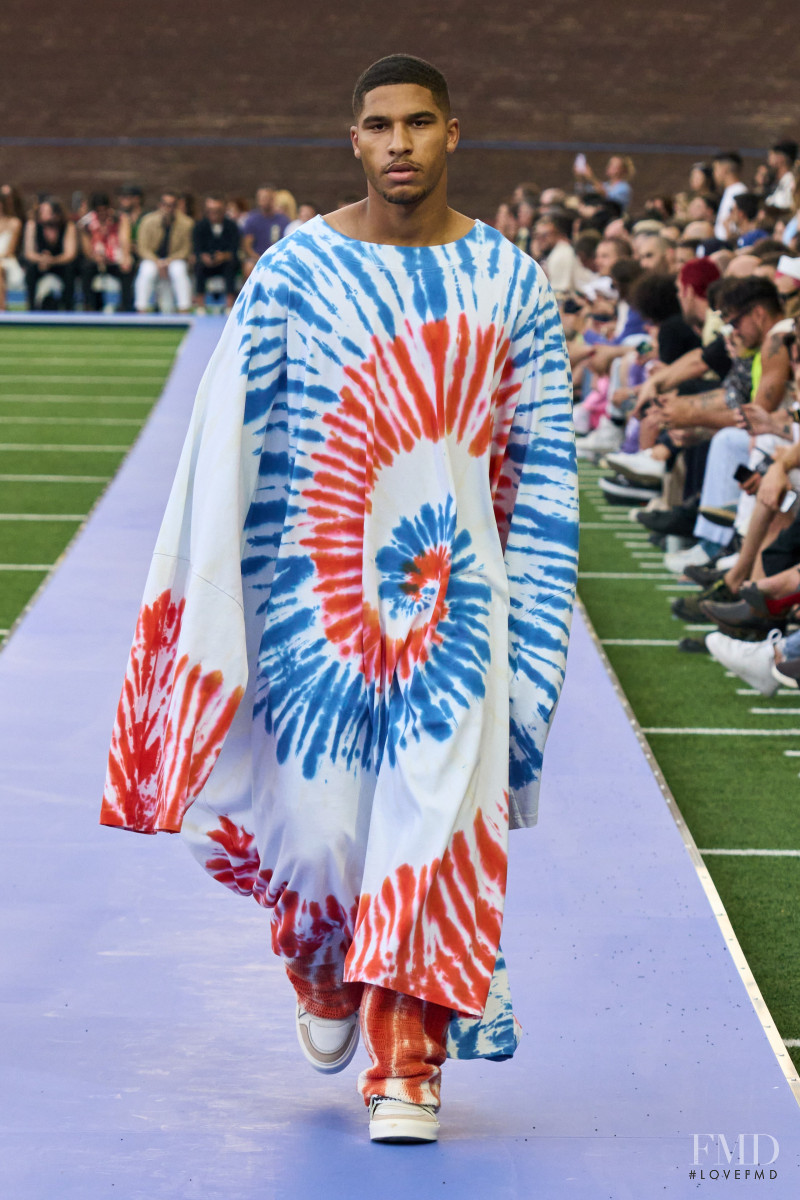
(405,1037)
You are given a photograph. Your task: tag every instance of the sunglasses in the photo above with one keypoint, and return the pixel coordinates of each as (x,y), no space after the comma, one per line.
(733,321)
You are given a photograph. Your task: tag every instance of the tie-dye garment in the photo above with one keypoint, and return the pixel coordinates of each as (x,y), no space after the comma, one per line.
(359,606)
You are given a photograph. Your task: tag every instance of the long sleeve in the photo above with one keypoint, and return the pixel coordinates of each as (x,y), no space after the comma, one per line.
(541,553)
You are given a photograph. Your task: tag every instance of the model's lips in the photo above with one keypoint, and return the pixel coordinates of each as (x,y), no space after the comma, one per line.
(401,169)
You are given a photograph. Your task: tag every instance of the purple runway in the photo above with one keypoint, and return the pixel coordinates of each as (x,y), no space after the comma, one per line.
(148,1042)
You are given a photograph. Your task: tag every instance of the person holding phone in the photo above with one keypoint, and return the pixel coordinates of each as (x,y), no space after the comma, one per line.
(618,175)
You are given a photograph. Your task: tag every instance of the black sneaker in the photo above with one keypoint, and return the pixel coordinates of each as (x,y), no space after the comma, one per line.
(678,521)
(619,490)
(687,608)
(703,575)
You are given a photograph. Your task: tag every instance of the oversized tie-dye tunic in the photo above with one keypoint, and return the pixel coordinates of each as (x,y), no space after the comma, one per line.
(359,603)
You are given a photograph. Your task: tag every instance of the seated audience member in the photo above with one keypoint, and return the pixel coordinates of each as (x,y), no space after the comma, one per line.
(554,250)
(130,207)
(262,228)
(106,253)
(505,221)
(165,244)
(11,223)
(743,223)
(526,193)
(237,209)
(526,215)
(701,178)
(585,248)
(51,248)
(187,204)
(787,281)
(654,253)
(661,208)
(305,211)
(285,203)
(703,208)
(215,241)
(782,159)
(552,198)
(617,184)
(610,250)
(727,180)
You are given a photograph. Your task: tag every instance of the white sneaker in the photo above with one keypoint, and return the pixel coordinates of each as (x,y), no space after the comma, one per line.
(329,1045)
(730,560)
(751,661)
(581,418)
(399,1121)
(606,437)
(640,467)
(695,556)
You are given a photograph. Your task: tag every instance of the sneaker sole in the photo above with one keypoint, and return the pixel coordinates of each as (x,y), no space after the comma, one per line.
(408,1130)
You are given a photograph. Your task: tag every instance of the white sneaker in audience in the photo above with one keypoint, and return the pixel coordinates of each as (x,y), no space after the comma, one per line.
(751,661)
(695,556)
(607,436)
(730,560)
(641,467)
(581,418)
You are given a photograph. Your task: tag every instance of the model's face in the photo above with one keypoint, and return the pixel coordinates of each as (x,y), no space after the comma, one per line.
(403,140)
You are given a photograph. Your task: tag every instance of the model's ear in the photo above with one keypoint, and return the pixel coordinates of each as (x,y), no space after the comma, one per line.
(354,140)
(453,134)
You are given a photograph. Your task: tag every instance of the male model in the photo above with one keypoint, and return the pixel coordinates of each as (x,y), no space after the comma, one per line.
(354,630)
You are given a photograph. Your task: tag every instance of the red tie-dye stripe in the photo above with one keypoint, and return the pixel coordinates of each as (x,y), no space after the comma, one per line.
(434,932)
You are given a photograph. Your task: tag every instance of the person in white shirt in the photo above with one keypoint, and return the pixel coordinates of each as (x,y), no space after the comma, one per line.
(781,159)
(553,248)
(727,168)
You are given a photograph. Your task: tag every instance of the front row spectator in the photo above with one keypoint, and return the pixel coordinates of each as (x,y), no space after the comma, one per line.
(50,248)
(11,276)
(216,251)
(164,245)
(105,242)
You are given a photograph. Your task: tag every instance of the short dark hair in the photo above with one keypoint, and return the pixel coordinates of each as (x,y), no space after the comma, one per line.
(562,221)
(748,204)
(99,200)
(787,148)
(401,68)
(624,274)
(766,246)
(732,157)
(655,297)
(752,290)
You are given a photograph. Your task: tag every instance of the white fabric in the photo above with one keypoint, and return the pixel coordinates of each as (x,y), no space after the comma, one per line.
(147,277)
(725,207)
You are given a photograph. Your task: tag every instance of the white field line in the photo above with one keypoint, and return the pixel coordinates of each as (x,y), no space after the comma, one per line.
(70,358)
(725,732)
(791,1042)
(66,447)
(598,525)
(26,566)
(792,753)
(704,629)
(677,587)
(790,693)
(7,478)
(637,642)
(50,517)
(756,853)
(81,379)
(71,421)
(31,398)
(622,520)
(776,712)
(612,574)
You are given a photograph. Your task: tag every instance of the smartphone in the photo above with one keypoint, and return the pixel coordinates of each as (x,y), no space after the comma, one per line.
(580,163)
(788,501)
(743,473)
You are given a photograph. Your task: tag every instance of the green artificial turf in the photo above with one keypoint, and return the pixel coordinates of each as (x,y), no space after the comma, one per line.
(735,792)
(72,402)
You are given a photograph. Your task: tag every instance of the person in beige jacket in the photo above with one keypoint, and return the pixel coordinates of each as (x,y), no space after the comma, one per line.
(164,245)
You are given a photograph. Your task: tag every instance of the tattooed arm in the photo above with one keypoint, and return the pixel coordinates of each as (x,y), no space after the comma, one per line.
(776,373)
